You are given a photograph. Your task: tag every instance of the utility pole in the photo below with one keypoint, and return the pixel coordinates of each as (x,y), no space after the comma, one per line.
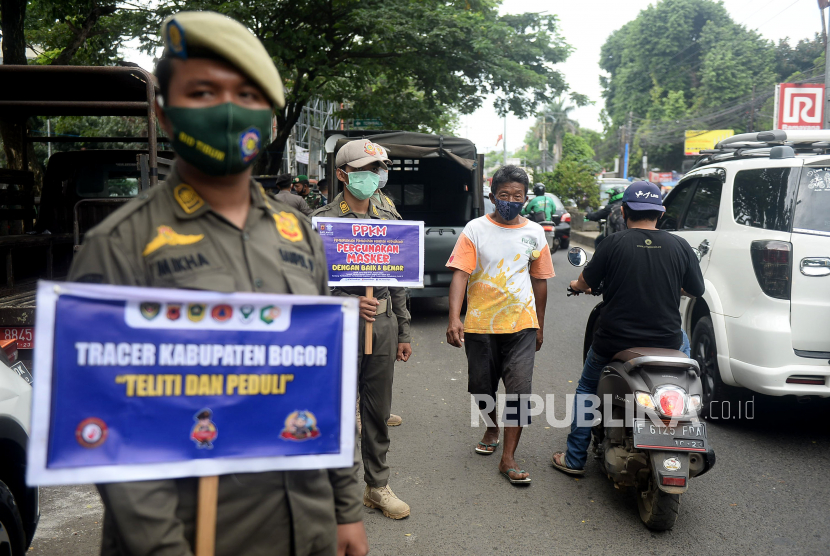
(752,110)
(822,4)
(504,140)
(627,144)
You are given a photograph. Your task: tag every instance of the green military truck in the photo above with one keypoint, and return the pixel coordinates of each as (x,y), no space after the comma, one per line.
(40,233)
(434,178)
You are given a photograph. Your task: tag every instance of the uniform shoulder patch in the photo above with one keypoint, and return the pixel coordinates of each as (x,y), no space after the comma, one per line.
(166,236)
(188,199)
(344,207)
(288,226)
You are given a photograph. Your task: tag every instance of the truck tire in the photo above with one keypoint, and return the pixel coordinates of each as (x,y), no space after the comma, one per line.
(658,510)
(705,352)
(12,534)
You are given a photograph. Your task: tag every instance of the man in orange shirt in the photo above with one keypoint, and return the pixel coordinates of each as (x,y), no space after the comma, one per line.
(503,262)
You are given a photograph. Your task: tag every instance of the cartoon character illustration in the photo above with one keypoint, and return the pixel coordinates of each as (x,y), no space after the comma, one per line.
(300,425)
(204,431)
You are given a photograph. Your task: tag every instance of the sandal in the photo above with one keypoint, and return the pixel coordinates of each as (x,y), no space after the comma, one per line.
(525,481)
(482,448)
(563,467)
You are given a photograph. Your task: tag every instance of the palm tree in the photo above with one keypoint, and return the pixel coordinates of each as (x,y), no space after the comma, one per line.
(558,114)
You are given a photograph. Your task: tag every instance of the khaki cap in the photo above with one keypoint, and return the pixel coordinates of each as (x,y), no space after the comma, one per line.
(227,38)
(382,153)
(359,153)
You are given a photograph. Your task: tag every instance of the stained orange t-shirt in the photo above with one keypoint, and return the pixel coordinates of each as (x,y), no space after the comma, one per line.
(500,262)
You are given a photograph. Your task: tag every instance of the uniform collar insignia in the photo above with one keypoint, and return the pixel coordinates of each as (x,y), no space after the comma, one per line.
(188,199)
(375,210)
(344,207)
(166,236)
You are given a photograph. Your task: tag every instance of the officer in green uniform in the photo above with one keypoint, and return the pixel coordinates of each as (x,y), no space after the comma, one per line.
(210,227)
(357,165)
(303,188)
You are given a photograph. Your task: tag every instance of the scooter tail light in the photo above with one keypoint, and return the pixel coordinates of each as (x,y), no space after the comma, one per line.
(671,402)
(565,217)
(674,481)
(644,399)
(10,347)
(547,228)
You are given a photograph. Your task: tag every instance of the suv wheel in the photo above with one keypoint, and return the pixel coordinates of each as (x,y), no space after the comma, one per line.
(12,535)
(705,352)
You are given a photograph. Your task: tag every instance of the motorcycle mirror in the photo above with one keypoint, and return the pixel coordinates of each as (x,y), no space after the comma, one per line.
(577,256)
(698,254)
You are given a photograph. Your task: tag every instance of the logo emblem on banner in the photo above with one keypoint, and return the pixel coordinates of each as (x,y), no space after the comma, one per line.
(204,431)
(269,314)
(300,425)
(288,226)
(91,432)
(174,311)
(221,313)
(150,310)
(246,313)
(196,311)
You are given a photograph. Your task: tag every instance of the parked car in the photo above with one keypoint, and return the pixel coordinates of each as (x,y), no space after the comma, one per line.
(19,510)
(561,220)
(758,209)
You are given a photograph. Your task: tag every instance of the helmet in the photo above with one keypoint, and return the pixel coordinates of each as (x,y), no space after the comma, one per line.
(539,189)
(616,193)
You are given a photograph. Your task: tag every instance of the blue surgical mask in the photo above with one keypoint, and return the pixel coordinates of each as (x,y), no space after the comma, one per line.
(508,209)
(384,178)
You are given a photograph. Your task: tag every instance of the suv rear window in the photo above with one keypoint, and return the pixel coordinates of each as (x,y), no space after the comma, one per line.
(812,209)
(763,198)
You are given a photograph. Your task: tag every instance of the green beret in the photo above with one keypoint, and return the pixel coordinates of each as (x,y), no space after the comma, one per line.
(301,178)
(230,40)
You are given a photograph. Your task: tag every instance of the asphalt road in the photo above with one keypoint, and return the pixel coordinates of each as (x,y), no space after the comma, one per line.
(768,493)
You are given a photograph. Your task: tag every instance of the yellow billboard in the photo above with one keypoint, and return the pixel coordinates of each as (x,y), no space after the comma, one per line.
(697,139)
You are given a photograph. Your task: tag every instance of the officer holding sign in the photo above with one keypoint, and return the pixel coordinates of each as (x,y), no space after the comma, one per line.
(210,227)
(358,163)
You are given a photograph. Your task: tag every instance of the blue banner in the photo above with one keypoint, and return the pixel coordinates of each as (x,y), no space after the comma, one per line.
(150,376)
(364,252)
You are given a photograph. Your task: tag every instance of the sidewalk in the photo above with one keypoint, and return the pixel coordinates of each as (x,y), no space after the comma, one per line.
(584,239)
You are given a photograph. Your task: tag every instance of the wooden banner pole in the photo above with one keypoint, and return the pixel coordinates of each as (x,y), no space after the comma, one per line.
(370,292)
(206,516)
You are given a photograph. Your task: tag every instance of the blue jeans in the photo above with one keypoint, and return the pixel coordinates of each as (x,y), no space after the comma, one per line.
(580,437)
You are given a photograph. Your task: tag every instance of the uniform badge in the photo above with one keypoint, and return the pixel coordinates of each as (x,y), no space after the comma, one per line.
(204,431)
(269,314)
(91,432)
(288,226)
(344,207)
(174,311)
(246,313)
(150,310)
(196,311)
(166,236)
(300,425)
(375,210)
(221,313)
(388,200)
(370,148)
(175,39)
(187,198)
(249,144)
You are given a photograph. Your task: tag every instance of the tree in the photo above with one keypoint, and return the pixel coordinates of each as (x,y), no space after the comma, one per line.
(574,178)
(423,56)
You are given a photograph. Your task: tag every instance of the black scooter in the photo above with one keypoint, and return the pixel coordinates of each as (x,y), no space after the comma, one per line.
(650,436)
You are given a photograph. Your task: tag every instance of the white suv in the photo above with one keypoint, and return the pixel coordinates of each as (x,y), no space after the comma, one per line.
(758,209)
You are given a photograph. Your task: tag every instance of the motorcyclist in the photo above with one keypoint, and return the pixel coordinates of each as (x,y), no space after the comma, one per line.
(541,207)
(614,222)
(643,271)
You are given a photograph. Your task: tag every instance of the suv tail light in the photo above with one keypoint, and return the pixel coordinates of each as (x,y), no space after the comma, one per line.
(772,261)
(565,217)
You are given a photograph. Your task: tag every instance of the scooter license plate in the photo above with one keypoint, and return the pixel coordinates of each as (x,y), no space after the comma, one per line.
(686,436)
